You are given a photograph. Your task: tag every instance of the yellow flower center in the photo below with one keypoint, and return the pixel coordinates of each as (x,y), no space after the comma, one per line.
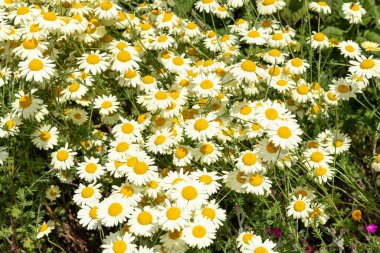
(180,152)
(93,212)
(206,84)
(206,179)
(249,159)
(319,37)
(74,87)
(122,146)
(198,230)
(124,56)
(331,96)
(209,213)
(342,88)
(253,34)
(200,125)
(91,168)
(106,5)
(119,246)
(206,149)
(274,71)
(159,139)
(127,128)
(87,192)
(248,66)
(191,26)
(36,65)
(49,16)
(115,209)
(140,168)
(302,89)
(268,2)
(338,143)
(173,213)
(45,135)
(106,104)
(25,101)
(245,110)
(271,114)
(282,82)
(367,64)
(175,235)
(127,191)
(296,62)
(22,10)
(349,48)
(277,36)
(274,52)
(320,171)
(167,16)
(247,237)
(162,38)
(260,249)
(271,148)
(43,228)
(299,206)
(161,95)
(30,44)
(256,180)
(34,28)
(189,192)
(317,156)
(178,61)
(62,155)
(145,218)
(355,7)
(93,59)
(322,3)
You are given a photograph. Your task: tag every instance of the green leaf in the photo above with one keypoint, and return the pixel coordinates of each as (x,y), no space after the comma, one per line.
(372,36)
(333,32)
(183,7)
(294,11)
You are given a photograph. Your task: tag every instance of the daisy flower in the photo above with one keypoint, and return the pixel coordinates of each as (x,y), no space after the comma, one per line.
(113,211)
(45,229)
(343,88)
(125,59)
(285,134)
(199,233)
(282,83)
(268,7)
(322,173)
(160,142)
(90,170)
(88,216)
(206,85)
(107,10)
(299,208)
(257,184)
(271,112)
(211,211)
(338,144)
(182,156)
(30,48)
(28,105)
(370,46)
(87,195)
(320,7)
(353,12)
(297,66)
(74,91)
(119,243)
(318,40)
(366,67)
(37,69)
(249,162)
(143,222)
(22,14)
(206,5)
(302,93)
(94,62)
(173,217)
(46,137)
(49,21)
(52,192)
(128,130)
(248,71)
(244,239)
(275,56)
(208,179)
(202,127)
(207,153)
(190,195)
(142,171)
(375,165)
(317,157)
(269,152)
(162,42)
(278,40)
(257,245)
(350,49)
(63,158)
(106,104)
(317,216)
(78,116)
